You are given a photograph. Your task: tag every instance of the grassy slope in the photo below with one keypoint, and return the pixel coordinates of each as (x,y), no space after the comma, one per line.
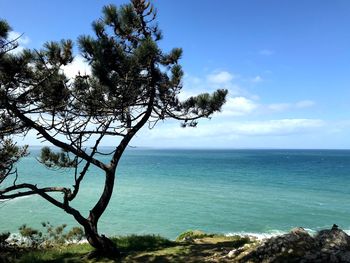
(147,248)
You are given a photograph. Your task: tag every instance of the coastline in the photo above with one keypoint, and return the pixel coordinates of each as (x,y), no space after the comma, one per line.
(328,245)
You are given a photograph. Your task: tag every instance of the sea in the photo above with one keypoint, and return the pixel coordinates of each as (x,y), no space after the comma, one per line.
(169,191)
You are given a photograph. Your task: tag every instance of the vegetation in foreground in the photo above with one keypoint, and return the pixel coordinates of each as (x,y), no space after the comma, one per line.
(327,246)
(190,246)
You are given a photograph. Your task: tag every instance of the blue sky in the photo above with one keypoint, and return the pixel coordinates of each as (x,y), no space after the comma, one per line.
(286,65)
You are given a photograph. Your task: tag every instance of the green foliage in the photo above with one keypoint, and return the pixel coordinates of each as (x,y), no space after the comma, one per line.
(52,237)
(139,243)
(55,160)
(33,236)
(146,51)
(59,52)
(125,55)
(5,45)
(75,234)
(4,29)
(192,234)
(10,153)
(205,103)
(56,236)
(29,232)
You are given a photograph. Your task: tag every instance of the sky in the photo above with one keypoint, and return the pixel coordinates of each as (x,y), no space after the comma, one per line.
(286,65)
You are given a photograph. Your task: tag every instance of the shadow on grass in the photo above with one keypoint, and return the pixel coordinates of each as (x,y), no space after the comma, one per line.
(81,253)
(70,253)
(191,252)
(142,243)
(146,248)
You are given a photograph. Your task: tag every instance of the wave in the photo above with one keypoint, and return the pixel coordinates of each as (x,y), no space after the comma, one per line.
(13,200)
(272,233)
(258,236)
(18,239)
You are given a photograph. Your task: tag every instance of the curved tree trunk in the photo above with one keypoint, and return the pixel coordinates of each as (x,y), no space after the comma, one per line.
(103,245)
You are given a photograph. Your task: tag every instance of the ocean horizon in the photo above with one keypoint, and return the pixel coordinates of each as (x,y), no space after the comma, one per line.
(229,191)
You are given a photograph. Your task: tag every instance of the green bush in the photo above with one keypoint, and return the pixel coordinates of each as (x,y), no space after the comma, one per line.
(53,236)
(192,234)
(34,236)
(75,234)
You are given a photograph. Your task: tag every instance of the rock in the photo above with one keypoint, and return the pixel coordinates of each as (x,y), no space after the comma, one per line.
(299,231)
(330,245)
(232,253)
(333,239)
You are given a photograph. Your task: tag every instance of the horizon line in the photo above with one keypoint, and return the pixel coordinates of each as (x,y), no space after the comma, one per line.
(202,148)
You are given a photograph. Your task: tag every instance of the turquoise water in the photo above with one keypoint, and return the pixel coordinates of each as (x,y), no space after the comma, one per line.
(227,191)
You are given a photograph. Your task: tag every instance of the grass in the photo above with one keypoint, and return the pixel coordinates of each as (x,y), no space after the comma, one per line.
(144,248)
(55,254)
(141,243)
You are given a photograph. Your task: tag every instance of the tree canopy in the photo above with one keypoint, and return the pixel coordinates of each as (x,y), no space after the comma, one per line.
(133,83)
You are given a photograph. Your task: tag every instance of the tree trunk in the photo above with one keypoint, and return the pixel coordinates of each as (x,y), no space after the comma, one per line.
(103,245)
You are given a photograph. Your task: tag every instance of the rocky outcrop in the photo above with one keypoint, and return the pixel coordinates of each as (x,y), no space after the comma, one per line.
(331,246)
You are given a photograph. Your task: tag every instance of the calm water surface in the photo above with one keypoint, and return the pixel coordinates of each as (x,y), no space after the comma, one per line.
(228,191)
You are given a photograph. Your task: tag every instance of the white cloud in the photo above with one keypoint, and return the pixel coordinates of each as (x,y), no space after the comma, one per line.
(79,65)
(239,101)
(278,127)
(238,106)
(218,80)
(281,127)
(266,52)
(222,77)
(21,39)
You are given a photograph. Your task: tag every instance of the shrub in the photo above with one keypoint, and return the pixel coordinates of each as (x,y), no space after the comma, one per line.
(33,236)
(192,234)
(53,236)
(75,234)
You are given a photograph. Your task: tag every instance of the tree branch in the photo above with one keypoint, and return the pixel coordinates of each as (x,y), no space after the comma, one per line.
(54,141)
(43,193)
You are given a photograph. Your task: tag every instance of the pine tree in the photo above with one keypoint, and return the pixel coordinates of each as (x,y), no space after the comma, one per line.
(133,83)
(10,153)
